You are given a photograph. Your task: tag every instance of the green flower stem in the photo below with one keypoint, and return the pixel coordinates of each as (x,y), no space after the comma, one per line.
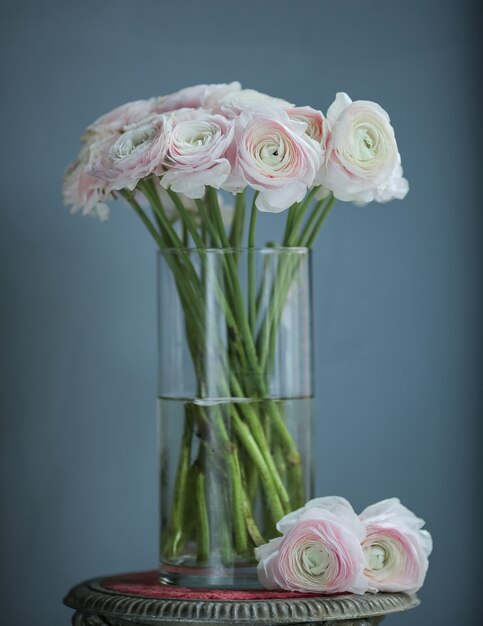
(252,309)
(307,227)
(290,238)
(188,292)
(236,232)
(258,433)
(318,224)
(296,482)
(187,220)
(252,359)
(238,508)
(129,197)
(177,530)
(206,220)
(229,451)
(252,528)
(244,356)
(171,236)
(238,304)
(246,438)
(284,281)
(217,505)
(202,524)
(204,235)
(285,277)
(280,461)
(289,222)
(251,413)
(174,240)
(252,483)
(186,236)
(269,327)
(177,522)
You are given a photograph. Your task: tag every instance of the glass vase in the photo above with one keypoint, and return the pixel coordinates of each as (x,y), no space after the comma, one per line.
(235,407)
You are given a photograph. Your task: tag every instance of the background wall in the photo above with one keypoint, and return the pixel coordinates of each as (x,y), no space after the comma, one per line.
(397,293)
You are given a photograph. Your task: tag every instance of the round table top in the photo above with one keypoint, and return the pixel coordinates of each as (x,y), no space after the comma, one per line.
(140,598)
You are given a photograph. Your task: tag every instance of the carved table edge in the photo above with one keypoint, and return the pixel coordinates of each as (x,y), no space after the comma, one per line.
(92,598)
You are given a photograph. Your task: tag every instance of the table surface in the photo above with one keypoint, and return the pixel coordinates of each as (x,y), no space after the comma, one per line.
(140,599)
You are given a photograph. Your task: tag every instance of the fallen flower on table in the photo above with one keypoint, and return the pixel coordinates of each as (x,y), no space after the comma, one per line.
(395,546)
(326,548)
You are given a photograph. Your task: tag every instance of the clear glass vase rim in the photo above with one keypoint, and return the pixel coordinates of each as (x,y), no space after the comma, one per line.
(262,250)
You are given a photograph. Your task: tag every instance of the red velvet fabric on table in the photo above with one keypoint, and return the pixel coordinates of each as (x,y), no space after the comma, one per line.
(147,584)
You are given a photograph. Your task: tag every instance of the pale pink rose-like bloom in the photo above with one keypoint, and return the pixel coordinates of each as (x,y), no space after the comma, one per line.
(83,192)
(320,550)
(362,162)
(196,146)
(196,97)
(232,104)
(396,547)
(138,152)
(120,118)
(314,119)
(272,154)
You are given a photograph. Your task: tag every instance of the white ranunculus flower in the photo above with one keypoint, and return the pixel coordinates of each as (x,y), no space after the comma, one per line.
(362,162)
(197,143)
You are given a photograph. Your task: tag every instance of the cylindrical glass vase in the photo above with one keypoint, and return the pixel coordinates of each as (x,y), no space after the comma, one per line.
(235,407)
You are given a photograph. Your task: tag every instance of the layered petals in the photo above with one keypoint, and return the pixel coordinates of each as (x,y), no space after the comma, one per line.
(233,103)
(396,547)
(138,152)
(82,191)
(272,154)
(362,162)
(197,143)
(320,550)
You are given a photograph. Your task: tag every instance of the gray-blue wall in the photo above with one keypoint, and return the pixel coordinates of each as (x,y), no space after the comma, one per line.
(397,287)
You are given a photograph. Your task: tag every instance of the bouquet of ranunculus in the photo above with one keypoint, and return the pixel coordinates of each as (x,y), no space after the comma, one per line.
(171,158)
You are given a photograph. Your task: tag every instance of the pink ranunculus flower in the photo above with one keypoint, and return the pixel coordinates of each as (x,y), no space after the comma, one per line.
(396,548)
(125,159)
(314,120)
(82,191)
(120,118)
(196,97)
(196,147)
(235,102)
(362,162)
(320,550)
(272,154)
(315,127)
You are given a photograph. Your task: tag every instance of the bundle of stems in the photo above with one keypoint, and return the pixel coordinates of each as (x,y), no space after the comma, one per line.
(245,453)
